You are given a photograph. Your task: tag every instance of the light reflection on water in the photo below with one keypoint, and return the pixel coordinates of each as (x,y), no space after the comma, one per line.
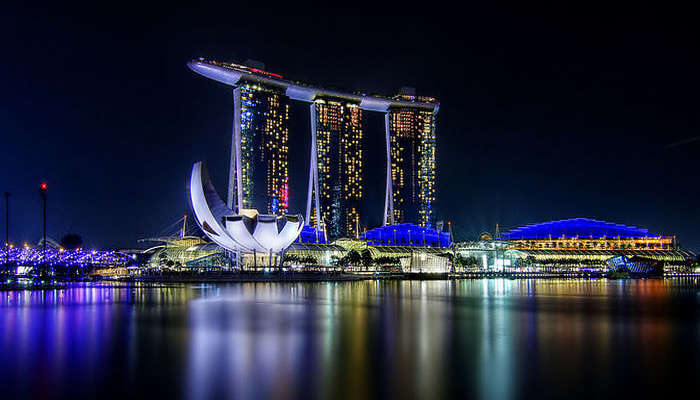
(487,339)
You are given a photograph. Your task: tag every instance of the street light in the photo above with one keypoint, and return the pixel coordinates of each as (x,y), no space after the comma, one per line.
(42,191)
(7,227)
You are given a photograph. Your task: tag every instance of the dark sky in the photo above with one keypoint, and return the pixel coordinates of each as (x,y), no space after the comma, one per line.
(543,116)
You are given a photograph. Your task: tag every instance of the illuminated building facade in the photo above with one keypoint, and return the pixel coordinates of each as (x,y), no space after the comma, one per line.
(579,245)
(586,234)
(407,234)
(338,151)
(311,234)
(336,166)
(264,128)
(242,232)
(587,244)
(412,155)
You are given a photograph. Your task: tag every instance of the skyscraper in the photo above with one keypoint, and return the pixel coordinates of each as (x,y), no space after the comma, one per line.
(412,155)
(264,124)
(338,139)
(259,153)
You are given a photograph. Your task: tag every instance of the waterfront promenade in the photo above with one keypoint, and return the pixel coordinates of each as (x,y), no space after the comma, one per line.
(25,283)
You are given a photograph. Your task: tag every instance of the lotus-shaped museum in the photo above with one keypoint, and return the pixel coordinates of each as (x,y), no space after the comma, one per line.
(246,231)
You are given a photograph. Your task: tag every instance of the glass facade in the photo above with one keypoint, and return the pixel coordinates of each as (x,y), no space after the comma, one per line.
(264,149)
(412,149)
(339,152)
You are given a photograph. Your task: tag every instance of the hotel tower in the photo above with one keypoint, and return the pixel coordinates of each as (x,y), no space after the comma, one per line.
(338,139)
(259,152)
(264,128)
(412,155)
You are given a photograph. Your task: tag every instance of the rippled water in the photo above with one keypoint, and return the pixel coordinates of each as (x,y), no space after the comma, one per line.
(487,339)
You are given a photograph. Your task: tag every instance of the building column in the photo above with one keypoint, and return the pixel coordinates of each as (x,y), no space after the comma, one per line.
(235,180)
(231,194)
(389,195)
(313,190)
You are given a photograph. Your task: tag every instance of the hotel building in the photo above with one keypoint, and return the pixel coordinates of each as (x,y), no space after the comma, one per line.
(339,159)
(264,130)
(412,155)
(335,186)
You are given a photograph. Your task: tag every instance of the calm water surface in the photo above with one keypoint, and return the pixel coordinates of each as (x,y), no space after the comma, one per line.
(487,339)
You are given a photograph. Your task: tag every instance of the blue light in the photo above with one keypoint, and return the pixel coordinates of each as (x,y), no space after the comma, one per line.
(577,227)
(407,234)
(310,234)
(71,258)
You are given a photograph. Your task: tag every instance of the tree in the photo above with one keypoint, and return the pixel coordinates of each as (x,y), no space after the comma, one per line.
(466,261)
(387,260)
(291,259)
(71,241)
(394,263)
(449,255)
(529,262)
(309,260)
(367,260)
(354,257)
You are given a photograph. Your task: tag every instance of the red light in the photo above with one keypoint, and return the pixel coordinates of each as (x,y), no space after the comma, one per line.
(264,72)
(43,186)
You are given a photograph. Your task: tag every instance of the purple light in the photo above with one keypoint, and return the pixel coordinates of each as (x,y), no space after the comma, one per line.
(70,258)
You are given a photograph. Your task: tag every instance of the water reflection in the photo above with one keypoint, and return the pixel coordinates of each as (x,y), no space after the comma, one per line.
(489,339)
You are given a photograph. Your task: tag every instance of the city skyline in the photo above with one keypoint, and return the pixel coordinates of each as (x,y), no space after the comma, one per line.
(559,135)
(221,201)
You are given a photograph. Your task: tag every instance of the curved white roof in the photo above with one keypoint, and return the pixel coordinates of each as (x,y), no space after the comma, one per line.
(233,232)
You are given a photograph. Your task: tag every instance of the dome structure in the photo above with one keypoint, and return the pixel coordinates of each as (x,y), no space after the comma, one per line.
(407,234)
(246,231)
(485,237)
(578,227)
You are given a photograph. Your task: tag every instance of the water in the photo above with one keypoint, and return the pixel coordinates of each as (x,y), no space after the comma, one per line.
(487,339)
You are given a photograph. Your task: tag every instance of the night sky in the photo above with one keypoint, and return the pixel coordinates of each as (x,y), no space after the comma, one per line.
(569,113)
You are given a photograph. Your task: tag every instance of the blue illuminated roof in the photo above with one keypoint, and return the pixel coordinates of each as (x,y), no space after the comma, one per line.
(577,227)
(310,234)
(407,234)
